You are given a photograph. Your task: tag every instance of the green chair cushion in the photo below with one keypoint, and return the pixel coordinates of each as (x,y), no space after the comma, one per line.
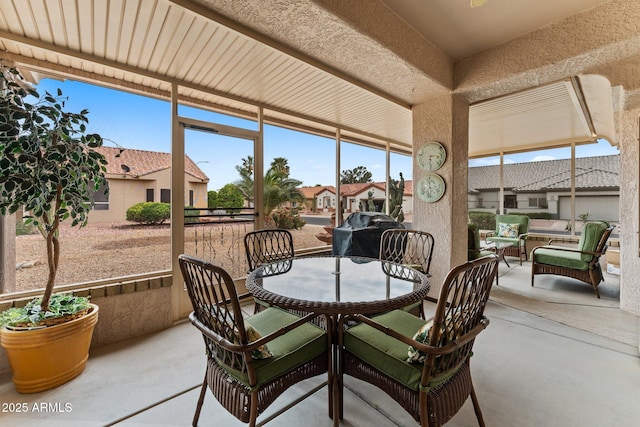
(289,350)
(386,353)
(549,256)
(590,237)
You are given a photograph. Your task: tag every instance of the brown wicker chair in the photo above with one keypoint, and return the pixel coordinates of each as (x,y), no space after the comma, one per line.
(519,226)
(266,246)
(243,374)
(581,262)
(408,247)
(434,386)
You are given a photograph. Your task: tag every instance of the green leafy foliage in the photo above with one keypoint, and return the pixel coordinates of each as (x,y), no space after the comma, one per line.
(230,197)
(48,162)
(287,219)
(212,199)
(396,193)
(484,220)
(149,212)
(191,215)
(357,175)
(279,187)
(32,314)
(23,228)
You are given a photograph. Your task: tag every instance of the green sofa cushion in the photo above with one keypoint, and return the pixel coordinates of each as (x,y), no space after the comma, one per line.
(549,256)
(289,350)
(386,353)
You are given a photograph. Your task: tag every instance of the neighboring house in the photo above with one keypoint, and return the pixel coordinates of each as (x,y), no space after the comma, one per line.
(135,176)
(355,197)
(319,198)
(546,187)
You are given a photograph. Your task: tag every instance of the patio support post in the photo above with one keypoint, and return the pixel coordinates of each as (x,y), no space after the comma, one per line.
(177,205)
(629,211)
(444,118)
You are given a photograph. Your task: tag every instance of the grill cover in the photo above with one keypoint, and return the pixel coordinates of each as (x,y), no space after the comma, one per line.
(360,233)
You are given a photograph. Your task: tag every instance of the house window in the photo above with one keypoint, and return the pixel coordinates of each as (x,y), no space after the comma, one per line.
(538,202)
(190,197)
(100,198)
(165,195)
(510,202)
(479,202)
(150,194)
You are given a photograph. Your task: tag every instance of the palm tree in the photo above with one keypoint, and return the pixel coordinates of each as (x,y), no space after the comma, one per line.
(245,184)
(279,189)
(280,164)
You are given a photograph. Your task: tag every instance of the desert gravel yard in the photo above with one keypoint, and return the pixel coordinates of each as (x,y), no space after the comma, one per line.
(105,251)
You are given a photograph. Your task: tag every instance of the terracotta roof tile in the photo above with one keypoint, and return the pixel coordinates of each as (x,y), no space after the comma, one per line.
(140,162)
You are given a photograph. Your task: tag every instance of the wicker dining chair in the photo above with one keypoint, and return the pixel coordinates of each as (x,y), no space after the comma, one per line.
(252,361)
(423,365)
(408,247)
(267,246)
(413,248)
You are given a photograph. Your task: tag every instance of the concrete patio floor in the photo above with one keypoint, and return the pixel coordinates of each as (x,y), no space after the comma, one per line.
(553,355)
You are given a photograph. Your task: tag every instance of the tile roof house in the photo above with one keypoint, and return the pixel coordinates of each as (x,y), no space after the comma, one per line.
(135,176)
(354,196)
(319,198)
(546,187)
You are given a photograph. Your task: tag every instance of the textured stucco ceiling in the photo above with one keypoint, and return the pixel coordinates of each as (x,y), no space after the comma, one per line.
(402,55)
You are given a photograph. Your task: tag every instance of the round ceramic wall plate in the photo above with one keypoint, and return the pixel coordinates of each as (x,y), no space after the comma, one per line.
(431,187)
(431,156)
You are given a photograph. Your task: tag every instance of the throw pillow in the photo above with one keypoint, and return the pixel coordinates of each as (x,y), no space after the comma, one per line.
(508,230)
(452,331)
(421,336)
(261,352)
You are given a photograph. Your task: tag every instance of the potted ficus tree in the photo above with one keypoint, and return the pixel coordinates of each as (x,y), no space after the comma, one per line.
(48,168)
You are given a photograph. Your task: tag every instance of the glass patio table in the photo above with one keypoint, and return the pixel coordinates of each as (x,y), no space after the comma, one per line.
(334,286)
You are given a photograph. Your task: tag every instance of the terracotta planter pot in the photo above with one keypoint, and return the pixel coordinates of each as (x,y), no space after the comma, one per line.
(42,359)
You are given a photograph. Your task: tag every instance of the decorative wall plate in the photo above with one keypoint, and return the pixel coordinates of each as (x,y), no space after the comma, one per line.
(431,187)
(431,156)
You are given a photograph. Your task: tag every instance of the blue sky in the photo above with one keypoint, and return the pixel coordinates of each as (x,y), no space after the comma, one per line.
(139,122)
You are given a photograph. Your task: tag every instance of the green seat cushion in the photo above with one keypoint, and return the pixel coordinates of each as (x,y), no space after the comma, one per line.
(288,351)
(386,353)
(550,256)
(590,237)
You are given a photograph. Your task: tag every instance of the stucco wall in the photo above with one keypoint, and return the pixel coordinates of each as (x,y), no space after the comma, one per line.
(444,119)
(629,218)
(126,311)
